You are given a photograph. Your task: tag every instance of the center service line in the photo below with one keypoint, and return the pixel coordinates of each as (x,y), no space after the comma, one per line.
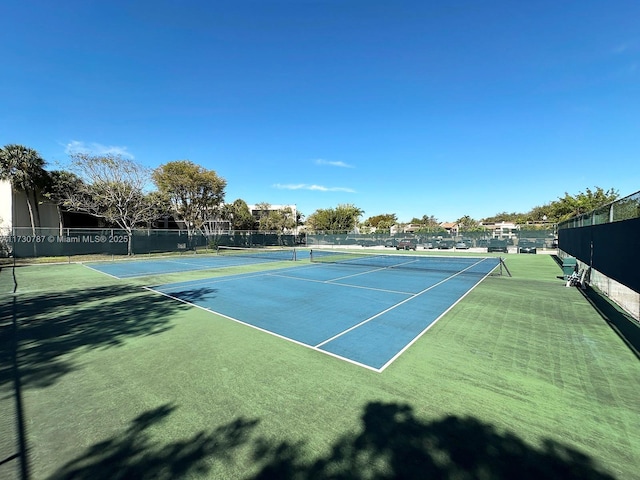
(395,306)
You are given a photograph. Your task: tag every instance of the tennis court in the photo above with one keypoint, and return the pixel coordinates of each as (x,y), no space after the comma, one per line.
(225,257)
(100,378)
(365,309)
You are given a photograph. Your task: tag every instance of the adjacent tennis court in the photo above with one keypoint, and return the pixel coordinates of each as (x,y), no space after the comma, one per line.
(365,309)
(224,257)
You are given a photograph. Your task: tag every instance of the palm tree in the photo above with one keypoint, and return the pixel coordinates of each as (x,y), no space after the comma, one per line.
(24,168)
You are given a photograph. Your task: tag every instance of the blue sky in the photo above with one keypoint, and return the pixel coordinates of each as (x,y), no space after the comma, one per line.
(443,108)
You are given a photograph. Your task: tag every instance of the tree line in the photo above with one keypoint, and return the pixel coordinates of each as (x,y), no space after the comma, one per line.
(117,190)
(552,212)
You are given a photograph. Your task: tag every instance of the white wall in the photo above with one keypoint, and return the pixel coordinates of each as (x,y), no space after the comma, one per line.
(5,205)
(14,211)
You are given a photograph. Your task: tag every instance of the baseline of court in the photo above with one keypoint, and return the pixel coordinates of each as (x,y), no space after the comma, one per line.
(366,317)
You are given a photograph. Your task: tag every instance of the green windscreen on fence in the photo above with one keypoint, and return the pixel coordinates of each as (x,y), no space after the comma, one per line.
(25,242)
(609,248)
(542,237)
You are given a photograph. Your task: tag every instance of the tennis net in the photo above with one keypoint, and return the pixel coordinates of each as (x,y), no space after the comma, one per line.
(473,265)
(276,254)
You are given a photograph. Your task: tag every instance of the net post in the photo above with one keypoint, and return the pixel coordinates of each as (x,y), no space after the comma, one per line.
(502,264)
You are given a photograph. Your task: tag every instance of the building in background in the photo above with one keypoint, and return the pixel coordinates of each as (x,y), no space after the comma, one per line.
(14,209)
(256,210)
(502,230)
(6,203)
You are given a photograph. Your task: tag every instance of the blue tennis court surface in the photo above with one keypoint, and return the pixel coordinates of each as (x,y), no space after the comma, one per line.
(365,315)
(186,263)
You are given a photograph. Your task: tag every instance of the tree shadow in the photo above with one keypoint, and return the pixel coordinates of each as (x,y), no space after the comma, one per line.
(50,326)
(134,455)
(193,295)
(393,443)
(40,332)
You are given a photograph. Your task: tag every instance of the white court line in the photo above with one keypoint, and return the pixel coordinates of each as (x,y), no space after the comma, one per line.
(100,271)
(224,278)
(404,349)
(357,274)
(193,268)
(388,267)
(212,281)
(332,282)
(317,347)
(395,306)
(146,273)
(165,272)
(354,362)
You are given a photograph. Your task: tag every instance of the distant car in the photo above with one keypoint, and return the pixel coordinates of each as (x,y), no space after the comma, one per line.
(428,246)
(497,245)
(391,242)
(445,244)
(367,243)
(462,246)
(526,246)
(407,244)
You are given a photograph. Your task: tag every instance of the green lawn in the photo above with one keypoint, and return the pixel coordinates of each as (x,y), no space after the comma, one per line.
(522,379)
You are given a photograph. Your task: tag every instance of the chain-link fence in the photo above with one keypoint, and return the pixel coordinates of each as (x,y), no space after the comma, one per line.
(623,209)
(25,242)
(605,242)
(540,237)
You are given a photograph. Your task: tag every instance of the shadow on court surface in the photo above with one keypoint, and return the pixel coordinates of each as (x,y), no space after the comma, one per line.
(619,320)
(49,326)
(195,294)
(392,443)
(38,331)
(134,455)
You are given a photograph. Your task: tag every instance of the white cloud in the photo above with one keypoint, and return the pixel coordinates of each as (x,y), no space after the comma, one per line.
(619,49)
(630,46)
(75,146)
(330,163)
(317,188)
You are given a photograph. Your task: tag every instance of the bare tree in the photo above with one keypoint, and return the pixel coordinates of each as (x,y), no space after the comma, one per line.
(115,188)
